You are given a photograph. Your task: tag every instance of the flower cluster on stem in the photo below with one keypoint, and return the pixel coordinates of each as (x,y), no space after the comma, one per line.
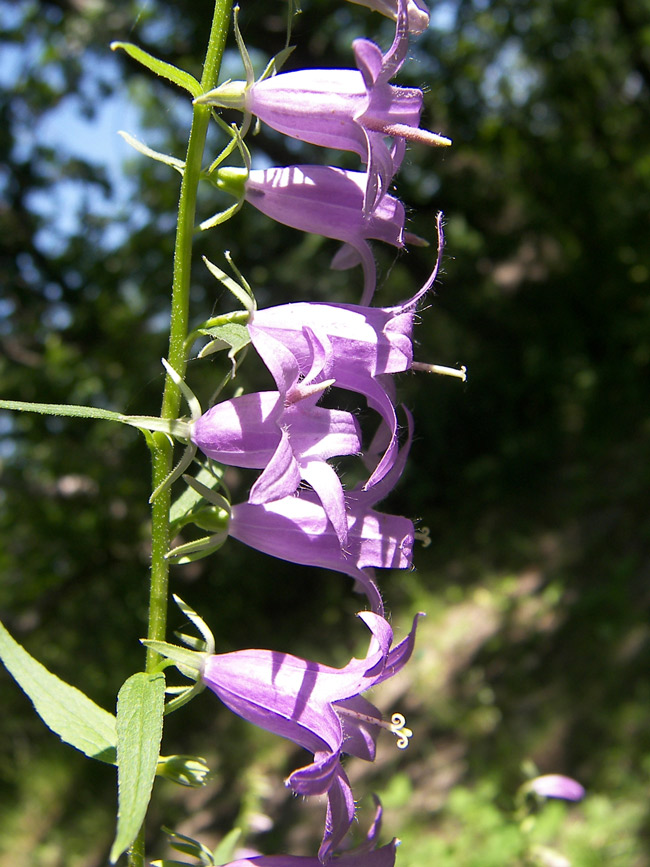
(298,508)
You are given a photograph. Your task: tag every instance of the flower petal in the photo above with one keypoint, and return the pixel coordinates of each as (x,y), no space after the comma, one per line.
(327,485)
(281,476)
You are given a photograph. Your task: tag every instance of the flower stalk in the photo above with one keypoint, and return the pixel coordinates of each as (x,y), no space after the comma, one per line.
(160,445)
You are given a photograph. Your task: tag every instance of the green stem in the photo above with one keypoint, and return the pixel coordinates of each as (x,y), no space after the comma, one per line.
(160,446)
(178,349)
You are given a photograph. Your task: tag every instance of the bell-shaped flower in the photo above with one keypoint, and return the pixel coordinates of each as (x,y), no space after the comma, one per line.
(286,434)
(417,12)
(556,786)
(298,529)
(347,109)
(325,201)
(317,707)
(361,344)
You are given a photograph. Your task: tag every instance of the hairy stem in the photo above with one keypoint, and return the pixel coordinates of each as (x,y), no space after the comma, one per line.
(177,355)
(160,446)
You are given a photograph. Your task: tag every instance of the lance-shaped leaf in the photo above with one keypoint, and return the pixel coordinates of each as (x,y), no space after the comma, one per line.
(67,711)
(140,706)
(160,67)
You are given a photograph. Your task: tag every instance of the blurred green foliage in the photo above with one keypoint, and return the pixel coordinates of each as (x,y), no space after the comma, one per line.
(532,477)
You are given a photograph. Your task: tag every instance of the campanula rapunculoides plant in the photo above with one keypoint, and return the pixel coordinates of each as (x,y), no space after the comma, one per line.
(299,507)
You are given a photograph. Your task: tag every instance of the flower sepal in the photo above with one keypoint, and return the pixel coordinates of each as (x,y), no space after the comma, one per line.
(188,846)
(230,94)
(189,662)
(230,179)
(191,771)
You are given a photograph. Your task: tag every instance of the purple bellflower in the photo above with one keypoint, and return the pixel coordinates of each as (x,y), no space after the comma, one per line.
(556,786)
(364,855)
(317,707)
(297,529)
(361,344)
(325,201)
(286,434)
(347,109)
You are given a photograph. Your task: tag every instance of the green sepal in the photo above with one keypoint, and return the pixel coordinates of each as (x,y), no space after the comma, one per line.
(64,709)
(189,846)
(230,179)
(230,94)
(231,336)
(199,624)
(276,63)
(242,292)
(190,552)
(140,708)
(166,862)
(182,508)
(221,217)
(188,660)
(214,519)
(226,848)
(141,148)
(160,67)
(189,771)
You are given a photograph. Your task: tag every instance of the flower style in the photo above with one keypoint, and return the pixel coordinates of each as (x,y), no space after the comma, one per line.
(317,707)
(286,434)
(361,343)
(297,529)
(326,201)
(347,109)
(364,855)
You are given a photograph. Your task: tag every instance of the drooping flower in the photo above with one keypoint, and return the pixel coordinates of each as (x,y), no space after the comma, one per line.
(361,344)
(297,529)
(347,109)
(417,11)
(364,855)
(325,201)
(556,786)
(284,433)
(317,707)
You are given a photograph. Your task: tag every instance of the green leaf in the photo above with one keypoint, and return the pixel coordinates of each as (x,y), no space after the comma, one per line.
(140,706)
(67,711)
(174,427)
(160,67)
(63,409)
